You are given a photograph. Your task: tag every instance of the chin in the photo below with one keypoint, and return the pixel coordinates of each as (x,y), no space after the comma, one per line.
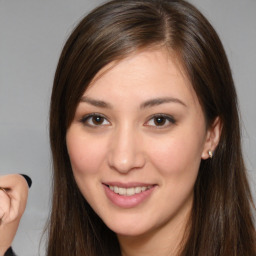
(128,229)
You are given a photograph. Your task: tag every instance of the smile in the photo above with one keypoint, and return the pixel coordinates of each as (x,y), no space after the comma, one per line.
(128,191)
(128,195)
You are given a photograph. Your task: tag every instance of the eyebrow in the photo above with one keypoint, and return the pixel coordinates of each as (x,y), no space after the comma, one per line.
(159,101)
(96,103)
(146,104)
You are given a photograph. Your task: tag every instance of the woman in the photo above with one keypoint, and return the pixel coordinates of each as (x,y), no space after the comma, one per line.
(134,35)
(145,138)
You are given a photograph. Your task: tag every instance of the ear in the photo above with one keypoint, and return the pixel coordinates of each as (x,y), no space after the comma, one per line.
(212,138)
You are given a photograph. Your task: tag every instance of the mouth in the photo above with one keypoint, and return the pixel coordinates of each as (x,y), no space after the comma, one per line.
(128,195)
(131,191)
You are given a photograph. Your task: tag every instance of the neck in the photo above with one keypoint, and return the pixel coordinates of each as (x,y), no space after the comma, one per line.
(165,241)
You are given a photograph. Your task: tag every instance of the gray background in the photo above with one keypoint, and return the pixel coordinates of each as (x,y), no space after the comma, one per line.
(32,34)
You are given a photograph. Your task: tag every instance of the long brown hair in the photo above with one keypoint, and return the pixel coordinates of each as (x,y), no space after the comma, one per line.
(221,221)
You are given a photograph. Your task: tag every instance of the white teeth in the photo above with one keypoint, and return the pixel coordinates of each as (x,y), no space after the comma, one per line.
(115,189)
(128,191)
(122,191)
(137,190)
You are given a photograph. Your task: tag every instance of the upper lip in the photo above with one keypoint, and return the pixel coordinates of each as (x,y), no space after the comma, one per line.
(128,184)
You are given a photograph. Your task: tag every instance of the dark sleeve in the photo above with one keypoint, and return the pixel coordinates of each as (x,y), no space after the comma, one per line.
(10,252)
(28,179)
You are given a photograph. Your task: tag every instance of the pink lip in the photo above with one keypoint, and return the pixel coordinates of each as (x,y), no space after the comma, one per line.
(127,201)
(128,184)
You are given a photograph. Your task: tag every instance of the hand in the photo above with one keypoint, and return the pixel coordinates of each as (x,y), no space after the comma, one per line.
(13,199)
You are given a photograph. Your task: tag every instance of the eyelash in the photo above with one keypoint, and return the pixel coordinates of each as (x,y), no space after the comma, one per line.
(165,118)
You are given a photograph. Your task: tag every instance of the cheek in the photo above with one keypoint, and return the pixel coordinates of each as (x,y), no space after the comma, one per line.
(85,155)
(177,155)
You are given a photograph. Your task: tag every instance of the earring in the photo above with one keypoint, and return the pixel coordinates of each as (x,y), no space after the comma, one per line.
(210,153)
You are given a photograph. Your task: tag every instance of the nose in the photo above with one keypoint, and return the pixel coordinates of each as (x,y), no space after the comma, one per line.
(126,151)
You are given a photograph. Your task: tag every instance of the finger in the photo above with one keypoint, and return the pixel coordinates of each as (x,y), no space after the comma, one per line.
(11,180)
(17,192)
(17,207)
(4,190)
(14,184)
(5,204)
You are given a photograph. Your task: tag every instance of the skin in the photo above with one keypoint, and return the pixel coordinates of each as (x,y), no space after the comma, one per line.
(126,144)
(12,205)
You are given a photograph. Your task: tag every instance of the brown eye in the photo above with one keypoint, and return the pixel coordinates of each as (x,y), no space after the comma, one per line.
(94,120)
(160,120)
(97,120)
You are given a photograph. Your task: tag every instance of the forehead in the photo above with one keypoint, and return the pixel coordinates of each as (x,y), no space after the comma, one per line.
(144,73)
(157,52)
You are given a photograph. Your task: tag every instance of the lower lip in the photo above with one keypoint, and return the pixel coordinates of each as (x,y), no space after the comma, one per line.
(128,201)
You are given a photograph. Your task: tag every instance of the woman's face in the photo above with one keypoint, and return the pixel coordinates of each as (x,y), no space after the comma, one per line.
(136,143)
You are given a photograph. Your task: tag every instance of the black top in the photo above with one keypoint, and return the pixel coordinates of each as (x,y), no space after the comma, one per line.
(10,252)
